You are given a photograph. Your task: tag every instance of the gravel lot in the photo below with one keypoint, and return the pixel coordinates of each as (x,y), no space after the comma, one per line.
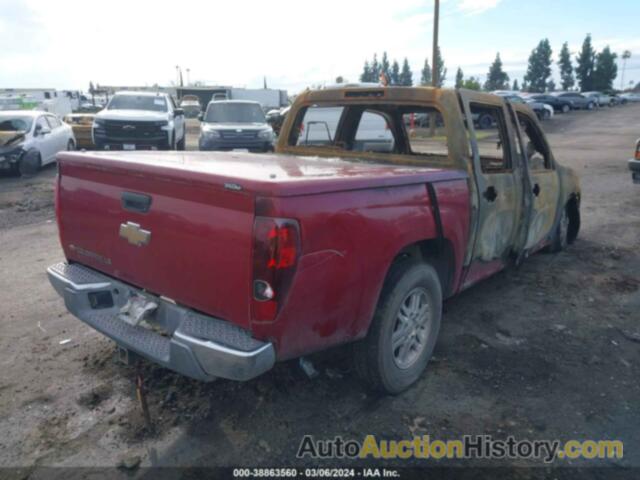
(550,350)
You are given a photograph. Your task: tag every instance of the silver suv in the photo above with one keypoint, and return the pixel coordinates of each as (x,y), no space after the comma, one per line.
(235,125)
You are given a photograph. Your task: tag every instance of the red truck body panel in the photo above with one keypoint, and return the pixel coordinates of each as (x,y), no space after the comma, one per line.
(354,219)
(349,242)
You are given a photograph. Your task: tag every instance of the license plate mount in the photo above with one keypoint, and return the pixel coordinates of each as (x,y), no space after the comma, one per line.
(137,308)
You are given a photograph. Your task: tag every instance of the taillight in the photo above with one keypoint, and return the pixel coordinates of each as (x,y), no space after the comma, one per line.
(638,151)
(276,247)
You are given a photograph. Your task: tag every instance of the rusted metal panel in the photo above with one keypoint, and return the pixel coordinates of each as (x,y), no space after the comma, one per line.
(505,226)
(556,187)
(445,101)
(499,218)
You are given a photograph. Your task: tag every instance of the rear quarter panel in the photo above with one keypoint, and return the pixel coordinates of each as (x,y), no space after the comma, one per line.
(349,240)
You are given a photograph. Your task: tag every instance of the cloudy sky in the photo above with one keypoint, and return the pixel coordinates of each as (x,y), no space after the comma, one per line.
(65,44)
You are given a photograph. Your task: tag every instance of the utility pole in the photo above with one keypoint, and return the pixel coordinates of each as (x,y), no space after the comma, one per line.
(626,55)
(434,62)
(434,65)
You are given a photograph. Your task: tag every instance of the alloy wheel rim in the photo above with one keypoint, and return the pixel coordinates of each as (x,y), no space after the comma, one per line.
(410,332)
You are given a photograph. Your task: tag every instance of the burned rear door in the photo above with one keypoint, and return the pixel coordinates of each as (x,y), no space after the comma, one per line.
(543,177)
(498,221)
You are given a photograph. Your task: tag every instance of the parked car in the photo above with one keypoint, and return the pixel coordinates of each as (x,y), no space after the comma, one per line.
(601,99)
(190,104)
(630,97)
(275,118)
(578,101)
(140,121)
(559,104)
(30,139)
(616,99)
(219,265)
(81,124)
(235,125)
(542,110)
(634,164)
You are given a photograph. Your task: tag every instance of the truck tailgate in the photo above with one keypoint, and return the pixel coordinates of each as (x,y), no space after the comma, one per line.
(192,245)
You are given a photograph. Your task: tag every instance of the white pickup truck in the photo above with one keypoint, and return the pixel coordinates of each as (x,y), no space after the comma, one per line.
(140,121)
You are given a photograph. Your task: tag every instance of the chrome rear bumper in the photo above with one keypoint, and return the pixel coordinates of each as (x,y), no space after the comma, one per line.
(193,344)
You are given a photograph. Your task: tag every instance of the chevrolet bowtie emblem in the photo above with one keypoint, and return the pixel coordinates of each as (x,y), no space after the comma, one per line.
(135,235)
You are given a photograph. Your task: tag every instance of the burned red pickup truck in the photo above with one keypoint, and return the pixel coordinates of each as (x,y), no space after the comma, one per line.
(221,264)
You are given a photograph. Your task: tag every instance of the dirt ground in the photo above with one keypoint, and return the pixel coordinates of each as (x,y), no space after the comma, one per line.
(550,350)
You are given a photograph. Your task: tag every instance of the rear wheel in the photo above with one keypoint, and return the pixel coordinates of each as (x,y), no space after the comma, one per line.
(404,329)
(566,108)
(546,114)
(590,106)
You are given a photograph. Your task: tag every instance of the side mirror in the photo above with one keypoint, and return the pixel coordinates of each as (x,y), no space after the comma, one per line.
(177,112)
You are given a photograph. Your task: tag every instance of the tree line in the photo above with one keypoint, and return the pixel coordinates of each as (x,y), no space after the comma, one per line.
(592,71)
(393,74)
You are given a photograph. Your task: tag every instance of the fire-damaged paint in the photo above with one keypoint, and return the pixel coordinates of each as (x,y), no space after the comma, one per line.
(554,189)
(515,223)
(354,213)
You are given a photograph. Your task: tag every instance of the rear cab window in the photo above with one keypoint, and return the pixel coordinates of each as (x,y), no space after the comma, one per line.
(373,128)
(318,126)
(422,139)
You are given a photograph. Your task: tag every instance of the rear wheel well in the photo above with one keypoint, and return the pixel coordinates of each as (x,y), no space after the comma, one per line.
(436,252)
(573,211)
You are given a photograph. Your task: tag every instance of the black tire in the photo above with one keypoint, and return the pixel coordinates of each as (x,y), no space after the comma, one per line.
(560,238)
(14,169)
(485,122)
(566,108)
(30,163)
(182,143)
(590,106)
(377,362)
(546,114)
